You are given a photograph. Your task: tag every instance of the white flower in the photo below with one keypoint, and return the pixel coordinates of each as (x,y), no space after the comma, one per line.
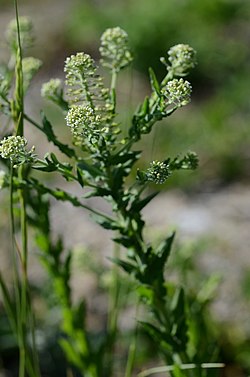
(178,92)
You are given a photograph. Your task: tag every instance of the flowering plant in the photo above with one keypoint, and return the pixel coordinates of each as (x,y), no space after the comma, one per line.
(99,158)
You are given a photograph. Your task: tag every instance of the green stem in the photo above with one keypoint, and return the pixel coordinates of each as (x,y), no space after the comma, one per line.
(87,92)
(23,224)
(113,310)
(132,349)
(113,80)
(27,362)
(18,299)
(17,110)
(24,284)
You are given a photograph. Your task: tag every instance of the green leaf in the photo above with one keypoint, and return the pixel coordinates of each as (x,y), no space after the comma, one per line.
(79,176)
(92,170)
(80,314)
(126,159)
(105,223)
(138,205)
(49,168)
(164,249)
(124,240)
(141,177)
(98,191)
(42,242)
(177,372)
(152,330)
(126,266)
(154,82)
(71,353)
(53,164)
(180,328)
(9,307)
(145,107)
(146,293)
(54,159)
(162,340)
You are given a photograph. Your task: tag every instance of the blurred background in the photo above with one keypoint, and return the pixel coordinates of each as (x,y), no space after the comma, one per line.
(210,207)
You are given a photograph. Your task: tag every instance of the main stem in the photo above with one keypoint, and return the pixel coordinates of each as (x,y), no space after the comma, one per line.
(28,360)
(24,283)
(113,310)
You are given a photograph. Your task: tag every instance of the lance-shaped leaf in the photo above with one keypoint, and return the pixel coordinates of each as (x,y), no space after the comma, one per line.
(90,170)
(105,222)
(138,205)
(161,338)
(154,82)
(180,327)
(164,249)
(126,266)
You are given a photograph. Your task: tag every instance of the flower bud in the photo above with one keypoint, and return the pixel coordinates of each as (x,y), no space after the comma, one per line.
(158,172)
(26,33)
(182,58)
(52,89)
(114,49)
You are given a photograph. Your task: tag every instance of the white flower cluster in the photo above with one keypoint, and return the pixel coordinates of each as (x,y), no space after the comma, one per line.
(158,172)
(14,148)
(31,65)
(26,32)
(79,63)
(182,58)
(82,122)
(52,89)
(177,92)
(84,85)
(114,49)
